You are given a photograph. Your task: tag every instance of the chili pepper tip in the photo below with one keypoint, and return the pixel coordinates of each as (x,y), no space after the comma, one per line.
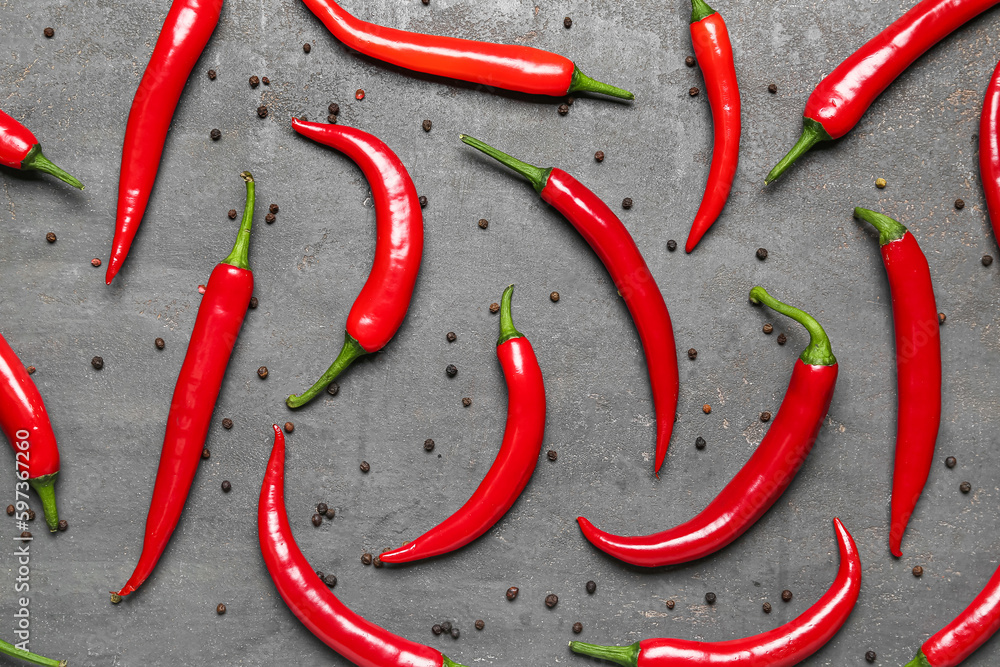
(35,160)
(818,352)
(537,176)
(348,354)
(813,132)
(889,230)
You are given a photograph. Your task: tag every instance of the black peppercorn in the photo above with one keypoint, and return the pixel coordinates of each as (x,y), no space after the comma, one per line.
(270,218)
(870,656)
(49,32)
(951,462)
(50,237)
(699,442)
(959,204)
(63,525)
(965,487)
(786,595)
(480,624)
(232,214)
(494,308)
(563,109)
(466,401)
(455,633)
(220,609)
(551,600)
(377,562)
(436,629)
(690,61)
(262,372)
(331,119)
(671,245)
(987,260)
(554,297)
(254,81)
(577,628)
(423,201)
(692,354)
(552,455)
(782,339)
(289,427)
(262,111)
(941,318)
(768,328)
(670,604)
(215,134)
(918,571)
(31,370)
(253,302)
(365,467)
(773,88)
(765,416)
(692,91)
(591,587)
(761,253)
(307,47)
(321,508)
(446,626)
(767,607)
(710,598)
(159,343)
(227,423)
(205,453)
(599,156)
(512,593)
(97,363)
(227,486)
(31,515)
(568,22)
(483,223)
(264,80)
(427,125)
(317,520)
(452,337)
(26,534)
(10,510)
(334,108)
(333,388)
(627,203)
(451,370)
(366,559)
(330,580)
(428,445)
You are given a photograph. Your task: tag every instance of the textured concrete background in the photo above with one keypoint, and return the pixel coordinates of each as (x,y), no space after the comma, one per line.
(74,92)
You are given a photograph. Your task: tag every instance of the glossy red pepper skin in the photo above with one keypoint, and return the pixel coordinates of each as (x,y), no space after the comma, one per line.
(843,97)
(963,636)
(381,305)
(512,67)
(186,31)
(918,367)
(515,462)
(26,425)
(609,238)
(216,328)
(714,53)
(783,646)
(360,641)
(19,149)
(759,483)
(989,150)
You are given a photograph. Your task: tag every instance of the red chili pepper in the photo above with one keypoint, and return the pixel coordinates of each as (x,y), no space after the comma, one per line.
(25,422)
(185,32)
(918,367)
(510,472)
(989,150)
(20,149)
(714,52)
(220,316)
(617,250)
(27,656)
(841,99)
(399,244)
(508,66)
(762,480)
(783,646)
(360,641)
(970,630)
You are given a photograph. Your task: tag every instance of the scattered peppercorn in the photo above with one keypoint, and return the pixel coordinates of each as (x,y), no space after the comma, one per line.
(159,343)
(766,607)
(253,302)
(226,486)
(427,125)
(220,609)
(359,94)
(451,371)
(63,525)
(692,91)
(334,108)
(97,363)
(211,74)
(568,22)
(437,629)
(591,587)
(95,262)
(455,633)
(330,580)
(50,237)
(554,297)
(377,562)
(333,389)
(959,204)
(428,445)
(483,223)
(782,339)
(880,183)
(480,624)
(577,628)
(671,245)
(552,455)
(26,534)
(232,214)
(599,156)
(765,416)
(941,318)
(10,510)
(330,513)
(768,328)
(331,119)
(205,453)
(870,656)
(951,462)
(366,558)
(446,626)
(262,372)
(289,427)
(273,208)
(692,354)
(699,442)
(270,218)
(762,254)
(627,203)
(31,370)
(365,467)
(321,508)
(264,80)
(494,307)
(551,600)
(987,260)
(563,109)
(227,423)
(670,604)
(690,61)
(512,593)
(466,401)
(307,47)
(423,201)
(918,571)
(786,595)
(707,409)
(49,32)
(965,487)
(254,81)
(262,111)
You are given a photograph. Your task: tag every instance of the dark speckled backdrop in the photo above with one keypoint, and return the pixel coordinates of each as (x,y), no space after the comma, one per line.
(74,91)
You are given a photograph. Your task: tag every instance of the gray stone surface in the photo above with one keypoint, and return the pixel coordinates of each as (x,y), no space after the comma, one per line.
(74,91)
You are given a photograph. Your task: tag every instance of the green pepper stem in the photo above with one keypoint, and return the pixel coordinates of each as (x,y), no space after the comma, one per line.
(818,352)
(240,256)
(507,329)
(813,132)
(583,83)
(626,656)
(28,656)
(35,160)
(45,487)
(348,353)
(448,662)
(537,176)
(700,10)
(919,661)
(889,230)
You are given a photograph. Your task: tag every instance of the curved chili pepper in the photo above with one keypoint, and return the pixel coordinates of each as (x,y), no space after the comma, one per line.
(185,32)
(508,66)
(918,367)
(989,150)
(25,423)
(606,234)
(360,641)
(20,149)
(35,659)
(380,307)
(970,630)
(714,52)
(783,646)
(515,462)
(216,327)
(762,480)
(841,99)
